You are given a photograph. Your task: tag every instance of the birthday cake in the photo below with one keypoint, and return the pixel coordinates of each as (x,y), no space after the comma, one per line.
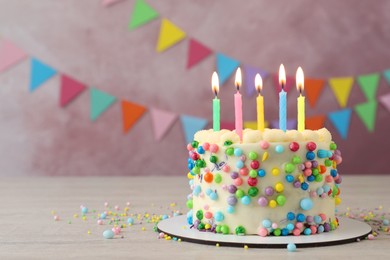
(270,183)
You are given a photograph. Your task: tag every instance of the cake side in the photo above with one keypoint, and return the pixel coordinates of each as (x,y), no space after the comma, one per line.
(271,183)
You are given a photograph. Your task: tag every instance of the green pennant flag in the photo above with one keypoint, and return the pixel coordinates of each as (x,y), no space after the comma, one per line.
(142,14)
(386,74)
(100,102)
(369,85)
(367,113)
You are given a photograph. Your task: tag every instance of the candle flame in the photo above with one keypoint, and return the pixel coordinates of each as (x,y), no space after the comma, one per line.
(282,76)
(238,79)
(215,83)
(300,80)
(258,83)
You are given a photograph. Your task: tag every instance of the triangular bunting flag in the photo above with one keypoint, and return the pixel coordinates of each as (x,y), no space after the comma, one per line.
(341,120)
(131,113)
(170,34)
(253,125)
(142,14)
(367,113)
(385,100)
(341,88)
(100,102)
(70,89)
(196,52)
(369,85)
(290,124)
(162,122)
(249,79)
(228,125)
(110,2)
(40,73)
(313,89)
(225,67)
(191,125)
(315,122)
(386,75)
(290,83)
(10,55)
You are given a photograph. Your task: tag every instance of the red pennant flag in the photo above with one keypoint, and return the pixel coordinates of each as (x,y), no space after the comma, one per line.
(315,122)
(313,89)
(290,82)
(131,112)
(196,52)
(70,89)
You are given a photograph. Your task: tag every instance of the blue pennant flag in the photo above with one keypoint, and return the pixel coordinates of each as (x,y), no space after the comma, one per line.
(40,73)
(191,125)
(341,120)
(225,67)
(100,102)
(386,74)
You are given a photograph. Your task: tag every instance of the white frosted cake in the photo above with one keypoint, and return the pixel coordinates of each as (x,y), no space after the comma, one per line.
(270,183)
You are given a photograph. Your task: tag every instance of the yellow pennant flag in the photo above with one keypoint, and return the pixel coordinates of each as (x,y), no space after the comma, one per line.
(170,34)
(341,88)
(253,124)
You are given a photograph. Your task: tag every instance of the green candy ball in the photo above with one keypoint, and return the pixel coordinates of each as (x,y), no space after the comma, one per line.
(240,231)
(189,204)
(252,155)
(319,178)
(230,151)
(277,232)
(253,191)
(333,146)
(253,173)
(240,193)
(213,158)
(281,200)
(199,214)
(289,167)
(217,178)
(225,229)
(296,159)
(195,144)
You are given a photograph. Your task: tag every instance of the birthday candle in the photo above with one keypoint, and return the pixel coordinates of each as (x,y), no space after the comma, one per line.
(301,99)
(238,104)
(282,99)
(259,103)
(216,102)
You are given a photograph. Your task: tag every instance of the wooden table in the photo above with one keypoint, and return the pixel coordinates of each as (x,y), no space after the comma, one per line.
(28,231)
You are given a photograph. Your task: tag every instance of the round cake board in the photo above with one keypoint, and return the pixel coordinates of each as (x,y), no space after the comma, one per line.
(349,231)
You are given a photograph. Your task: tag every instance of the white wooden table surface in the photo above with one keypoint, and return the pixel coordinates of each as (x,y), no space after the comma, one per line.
(28,231)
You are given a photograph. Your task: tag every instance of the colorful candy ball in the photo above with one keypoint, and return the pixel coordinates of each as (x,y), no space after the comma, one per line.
(108,234)
(291,247)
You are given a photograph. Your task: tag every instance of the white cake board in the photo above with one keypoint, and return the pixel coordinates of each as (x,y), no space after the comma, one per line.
(349,231)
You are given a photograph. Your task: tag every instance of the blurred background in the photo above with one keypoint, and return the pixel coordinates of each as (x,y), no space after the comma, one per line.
(114,87)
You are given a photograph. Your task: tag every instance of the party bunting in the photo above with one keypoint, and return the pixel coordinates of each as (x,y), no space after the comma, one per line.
(170,34)
(228,125)
(162,121)
(191,125)
(100,102)
(341,120)
(367,113)
(313,89)
(290,124)
(315,122)
(386,75)
(369,84)
(290,82)
(225,67)
(131,113)
(10,55)
(249,79)
(40,73)
(110,2)
(142,14)
(196,52)
(253,124)
(70,89)
(385,100)
(341,88)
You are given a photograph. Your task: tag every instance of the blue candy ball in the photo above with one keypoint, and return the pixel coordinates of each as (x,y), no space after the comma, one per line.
(306,204)
(103,216)
(230,209)
(291,247)
(290,226)
(190,220)
(213,196)
(285,232)
(208,191)
(108,234)
(307,231)
(267,223)
(310,155)
(84,210)
(218,216)
(290,216)
(300,217)
(279,148)
(130,221)
(304,186)
(200,150)
(261,173)
(289,178)
(246,200)
(239,164)
(237,151)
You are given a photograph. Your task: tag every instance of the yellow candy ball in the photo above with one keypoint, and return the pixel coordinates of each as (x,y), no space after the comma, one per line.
(337,201)
(275,171)
(279,187)
(273,203)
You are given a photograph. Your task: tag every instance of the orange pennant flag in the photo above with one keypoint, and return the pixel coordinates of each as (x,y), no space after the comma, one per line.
(131,112)
(313,89)
(315,122)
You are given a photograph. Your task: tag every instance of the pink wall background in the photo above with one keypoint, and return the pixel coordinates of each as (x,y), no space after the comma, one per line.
(92,44)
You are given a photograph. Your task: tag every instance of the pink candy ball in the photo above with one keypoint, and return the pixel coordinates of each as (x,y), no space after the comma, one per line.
(161,235)
(328,178)
(213,148)
(274,225)
(263,232)
(244,171)
(264,144)
(208,215)
(206,146)
(308,164)
(296,232)
(238,181)
(307,172)
(313,229)
(116,230)
(117,207)
(56,218)
(226,168)
(189,147)
(299,225)
(323,216)
(371,237)
(206,207)
(100,222)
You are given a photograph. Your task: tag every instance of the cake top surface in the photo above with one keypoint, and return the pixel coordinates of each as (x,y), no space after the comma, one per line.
(270,135)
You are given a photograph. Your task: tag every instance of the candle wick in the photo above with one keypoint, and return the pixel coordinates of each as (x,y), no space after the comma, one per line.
(216,93)
(238,88)
(283,86)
